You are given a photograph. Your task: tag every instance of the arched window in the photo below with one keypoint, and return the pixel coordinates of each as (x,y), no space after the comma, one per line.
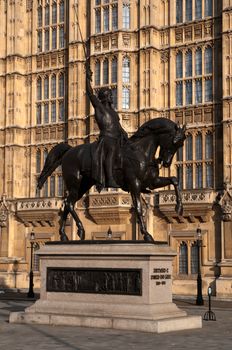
(61,11)
(188,10)
(198,66)
(54,13)
(198,92)
(106,72)
(126,16)
(209,146)
(189,147)
(189,177)
(199,147)
(97,21)
(198,9)
(61,110)
(39,89)
(114,70)
(47,15)
(179,65)
(46,40)
(208,8)
(188,64)
(126,70)
(52,186)
(209,175)
(45,154)
(180,176)
(179,11)
(194,258)
(38,114)
(97,76)
(106,19)
(53,86)
(61,85)
(61,37)
(36,258)
(46,88)
(38,161)
(60,187)
(46,113)
(45,189)
(39,40)
(53,112)
(54,38)
(199,176)
(208,60)
(179,93)
(40,16)
(125,98)
(115,17)
(188,92)
(183,259)
(179,154)
(208,89)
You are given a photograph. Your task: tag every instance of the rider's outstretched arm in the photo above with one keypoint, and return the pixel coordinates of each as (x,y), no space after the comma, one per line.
(94,100)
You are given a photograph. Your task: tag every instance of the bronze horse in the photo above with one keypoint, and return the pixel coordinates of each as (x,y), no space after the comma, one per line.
(138,171)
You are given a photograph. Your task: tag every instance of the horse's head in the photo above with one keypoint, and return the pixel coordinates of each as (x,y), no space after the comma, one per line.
(169,144)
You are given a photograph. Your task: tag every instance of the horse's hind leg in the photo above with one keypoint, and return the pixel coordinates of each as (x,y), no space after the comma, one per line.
(71,200)
(63,217)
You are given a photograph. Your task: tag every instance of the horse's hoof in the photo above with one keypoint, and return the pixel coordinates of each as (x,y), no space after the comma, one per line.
(64,238)
(148,238)
(81,234)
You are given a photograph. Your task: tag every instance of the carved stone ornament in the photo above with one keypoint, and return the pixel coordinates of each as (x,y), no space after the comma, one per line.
(224,199)
(4,210)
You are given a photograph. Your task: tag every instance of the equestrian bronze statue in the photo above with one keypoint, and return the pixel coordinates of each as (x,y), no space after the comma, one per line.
(115,160)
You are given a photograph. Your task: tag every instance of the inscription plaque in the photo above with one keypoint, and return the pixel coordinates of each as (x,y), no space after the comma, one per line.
(94,280)
(161,274)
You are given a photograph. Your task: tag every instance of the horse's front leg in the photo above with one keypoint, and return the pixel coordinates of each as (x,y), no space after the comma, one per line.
(179,204)
(166,181)
(136,199)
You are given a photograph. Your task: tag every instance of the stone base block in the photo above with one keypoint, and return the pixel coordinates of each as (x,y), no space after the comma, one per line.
(129,324)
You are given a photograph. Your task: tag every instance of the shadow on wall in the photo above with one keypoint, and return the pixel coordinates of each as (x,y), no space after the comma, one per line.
(3,284)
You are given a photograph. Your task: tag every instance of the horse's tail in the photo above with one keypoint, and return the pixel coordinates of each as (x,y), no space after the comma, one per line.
(53,160)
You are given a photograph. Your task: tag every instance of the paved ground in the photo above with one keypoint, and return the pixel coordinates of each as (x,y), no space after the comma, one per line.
(213,335)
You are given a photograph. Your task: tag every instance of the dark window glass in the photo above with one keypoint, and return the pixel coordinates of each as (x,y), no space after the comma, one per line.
(97,75)
(188,92)
(179,93)
(179,65)
(189,147)
(198,67)
(198,9)
(183,259)
(194,258)
(189,177)
(179,11)
(199,147)
(188,10)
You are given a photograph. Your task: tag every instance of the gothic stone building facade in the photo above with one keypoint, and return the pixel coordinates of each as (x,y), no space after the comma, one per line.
(161,58)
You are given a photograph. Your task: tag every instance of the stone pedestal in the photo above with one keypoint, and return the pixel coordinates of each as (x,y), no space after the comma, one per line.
(109,285)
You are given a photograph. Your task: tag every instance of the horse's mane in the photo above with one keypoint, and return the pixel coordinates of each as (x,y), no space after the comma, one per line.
(157,125)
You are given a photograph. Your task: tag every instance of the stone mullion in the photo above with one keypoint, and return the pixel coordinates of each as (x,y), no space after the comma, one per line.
(120,58)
